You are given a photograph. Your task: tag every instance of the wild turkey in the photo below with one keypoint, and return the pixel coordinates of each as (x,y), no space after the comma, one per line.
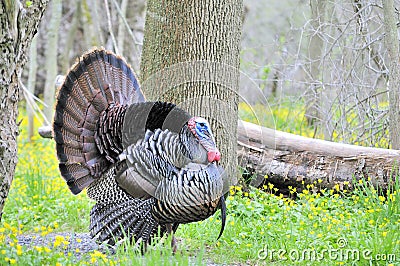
(133,155)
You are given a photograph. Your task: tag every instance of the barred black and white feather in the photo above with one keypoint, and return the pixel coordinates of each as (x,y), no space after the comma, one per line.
(132,155)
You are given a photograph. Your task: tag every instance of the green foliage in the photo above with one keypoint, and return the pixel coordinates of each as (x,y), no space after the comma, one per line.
(260,225)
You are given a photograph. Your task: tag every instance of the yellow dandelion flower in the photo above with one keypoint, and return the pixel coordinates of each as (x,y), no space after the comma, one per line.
(384,234)
(13,261)
(19,250)
(7,225)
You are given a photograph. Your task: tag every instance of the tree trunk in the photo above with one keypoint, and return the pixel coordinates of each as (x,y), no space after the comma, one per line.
(51,59)
(392,46)
(288,160)
(31,85)
(121,27)
(191,57)
(71,37)
(315,49)
(18,26)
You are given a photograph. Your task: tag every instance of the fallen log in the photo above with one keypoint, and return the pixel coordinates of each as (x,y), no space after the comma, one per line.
(292,160)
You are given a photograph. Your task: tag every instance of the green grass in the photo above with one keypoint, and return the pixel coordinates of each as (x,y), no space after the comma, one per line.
(262,228)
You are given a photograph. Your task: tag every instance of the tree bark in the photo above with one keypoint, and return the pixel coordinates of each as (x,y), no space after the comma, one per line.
(121,27)
(71,37)
(18,26)
(392,46)
(288,160)
(191,57)
(31,85)
(51,59)
(314,110)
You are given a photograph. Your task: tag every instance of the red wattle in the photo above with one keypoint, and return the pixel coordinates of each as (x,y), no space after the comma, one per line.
(213,156)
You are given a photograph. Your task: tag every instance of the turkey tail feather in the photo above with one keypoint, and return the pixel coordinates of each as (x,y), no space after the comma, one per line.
(117,214)
(97,80)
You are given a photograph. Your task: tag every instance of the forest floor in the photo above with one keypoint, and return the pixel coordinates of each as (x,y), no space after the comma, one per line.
(44,224)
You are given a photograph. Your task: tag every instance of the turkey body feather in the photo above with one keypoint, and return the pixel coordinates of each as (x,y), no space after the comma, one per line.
(133,155)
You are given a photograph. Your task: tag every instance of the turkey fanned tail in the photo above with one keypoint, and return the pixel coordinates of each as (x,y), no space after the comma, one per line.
(97,80)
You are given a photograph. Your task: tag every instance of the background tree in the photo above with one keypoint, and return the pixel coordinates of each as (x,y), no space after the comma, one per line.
(31,85)
(19,23)
(315,52)
(191,57)
(51,59)
(392,46)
